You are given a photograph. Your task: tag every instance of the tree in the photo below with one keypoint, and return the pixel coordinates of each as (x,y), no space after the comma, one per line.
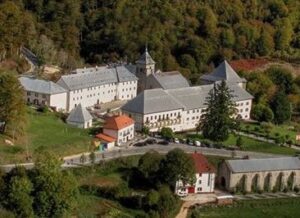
(55,191)
(149,164)
(167,133)
(167,201)
(176,166)
(281,108)
(265,43)
(239,142)
(219,117)
(262,113)
(12,106)
(16,192)
(19,198)
(283,78)
(145,130)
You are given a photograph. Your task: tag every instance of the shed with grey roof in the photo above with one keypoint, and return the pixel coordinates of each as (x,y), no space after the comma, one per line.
(80,117)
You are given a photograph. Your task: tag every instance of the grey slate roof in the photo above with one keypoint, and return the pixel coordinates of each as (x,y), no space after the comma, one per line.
(40,86)
(223,72)
(268,164)
(96,76)
(170,80)
(145,58)
(152,101)
(158,100)
(79,115)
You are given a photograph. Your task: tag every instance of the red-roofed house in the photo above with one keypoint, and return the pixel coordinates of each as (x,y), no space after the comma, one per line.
(107,141)
(205,178)
(119,127)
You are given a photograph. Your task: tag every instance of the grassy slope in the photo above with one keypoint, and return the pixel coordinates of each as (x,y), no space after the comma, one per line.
(275,208)
(46,132)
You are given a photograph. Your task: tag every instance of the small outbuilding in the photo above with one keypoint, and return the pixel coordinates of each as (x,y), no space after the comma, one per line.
(106,142)
(80,117)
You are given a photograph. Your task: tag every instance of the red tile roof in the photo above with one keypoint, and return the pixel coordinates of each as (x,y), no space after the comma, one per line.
(201,164)
(118,122)
(105,137)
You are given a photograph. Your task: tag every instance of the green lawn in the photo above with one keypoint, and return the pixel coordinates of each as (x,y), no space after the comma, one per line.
(45,132)
(275,208)
(284,130)
(250,144)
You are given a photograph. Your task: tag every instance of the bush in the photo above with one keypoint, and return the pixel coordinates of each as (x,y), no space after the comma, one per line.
(296,189)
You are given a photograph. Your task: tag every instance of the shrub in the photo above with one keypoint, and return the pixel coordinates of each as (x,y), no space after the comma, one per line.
(296,189)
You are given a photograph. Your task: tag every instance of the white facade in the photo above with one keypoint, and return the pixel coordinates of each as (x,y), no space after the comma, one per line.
(122,135)
(205,183)
(82,125)
(91,86)
(181,120)
(55,101)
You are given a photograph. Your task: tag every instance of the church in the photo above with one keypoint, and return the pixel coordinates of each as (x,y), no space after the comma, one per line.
(166,99)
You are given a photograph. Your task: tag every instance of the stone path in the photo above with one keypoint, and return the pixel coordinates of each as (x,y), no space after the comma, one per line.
(266,196)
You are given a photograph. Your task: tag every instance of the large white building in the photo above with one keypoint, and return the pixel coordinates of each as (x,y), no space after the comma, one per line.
(167,99)
(204,178)
(90,86)
(44,93)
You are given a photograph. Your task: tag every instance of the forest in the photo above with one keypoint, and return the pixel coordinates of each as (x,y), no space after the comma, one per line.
(189,35)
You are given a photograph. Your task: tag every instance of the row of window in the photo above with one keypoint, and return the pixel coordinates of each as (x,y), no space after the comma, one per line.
(104,86)
(162,117)
(242,104)
(36,94)
(194,111)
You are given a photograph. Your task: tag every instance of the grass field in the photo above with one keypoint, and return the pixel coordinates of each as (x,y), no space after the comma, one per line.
(250,144)
(45,132)
(275,208)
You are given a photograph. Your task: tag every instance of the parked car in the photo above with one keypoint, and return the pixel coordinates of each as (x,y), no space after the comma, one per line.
(197,143)
(139,144)
(164,142)
(151,141)
(190,142)
(176,140)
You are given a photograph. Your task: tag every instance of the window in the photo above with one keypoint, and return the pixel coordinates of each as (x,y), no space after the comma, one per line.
(44,96)
(247,109)
(247,103)
(36,95)
(199,182)
(199,189)
(28,93)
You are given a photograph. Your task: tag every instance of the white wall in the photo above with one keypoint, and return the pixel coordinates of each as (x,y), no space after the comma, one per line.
(102,94)
(59,101)
(123,135)
(85,125)
(205,183)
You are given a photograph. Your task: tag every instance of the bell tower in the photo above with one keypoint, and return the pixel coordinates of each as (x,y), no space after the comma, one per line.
(145,66)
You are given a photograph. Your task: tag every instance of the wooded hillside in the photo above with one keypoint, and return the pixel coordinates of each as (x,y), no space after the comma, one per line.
(185,34)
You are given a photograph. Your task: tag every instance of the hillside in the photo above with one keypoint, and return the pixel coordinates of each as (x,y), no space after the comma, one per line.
(186,35)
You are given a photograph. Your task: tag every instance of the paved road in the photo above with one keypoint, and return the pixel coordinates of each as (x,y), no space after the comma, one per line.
(74,161)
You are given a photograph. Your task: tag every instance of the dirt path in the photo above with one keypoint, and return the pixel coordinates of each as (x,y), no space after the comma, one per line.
(194,199)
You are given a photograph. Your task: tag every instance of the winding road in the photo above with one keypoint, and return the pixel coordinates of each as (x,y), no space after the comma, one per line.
(74,161)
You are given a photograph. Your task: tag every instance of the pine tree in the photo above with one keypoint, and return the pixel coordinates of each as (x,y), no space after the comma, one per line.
(12,106)
(219,117)
(281,108)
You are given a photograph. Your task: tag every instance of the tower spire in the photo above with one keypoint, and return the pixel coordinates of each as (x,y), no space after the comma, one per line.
(146,47)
